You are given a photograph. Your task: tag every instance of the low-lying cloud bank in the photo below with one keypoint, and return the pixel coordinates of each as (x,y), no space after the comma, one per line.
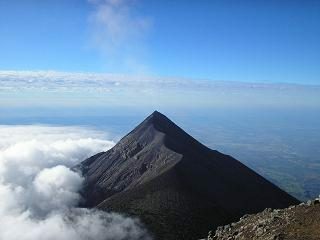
(73,81)
(39,192)
(82,90)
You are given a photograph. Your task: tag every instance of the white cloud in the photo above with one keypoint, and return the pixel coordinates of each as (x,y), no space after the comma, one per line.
(119,32)
(56,188)
(117,23)
(39,192)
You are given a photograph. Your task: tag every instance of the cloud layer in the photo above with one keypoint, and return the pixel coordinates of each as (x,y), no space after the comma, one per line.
(50,88)
(73,81)
(39,192)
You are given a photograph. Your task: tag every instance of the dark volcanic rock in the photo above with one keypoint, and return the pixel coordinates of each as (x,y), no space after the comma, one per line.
(177,186)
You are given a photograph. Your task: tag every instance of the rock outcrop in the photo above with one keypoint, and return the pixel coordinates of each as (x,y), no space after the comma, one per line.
(298,222)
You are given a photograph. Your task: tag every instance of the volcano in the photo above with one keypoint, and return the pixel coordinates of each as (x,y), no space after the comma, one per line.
(178,187)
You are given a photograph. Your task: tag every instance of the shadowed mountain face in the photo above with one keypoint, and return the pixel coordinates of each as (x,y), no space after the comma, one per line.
(178,187)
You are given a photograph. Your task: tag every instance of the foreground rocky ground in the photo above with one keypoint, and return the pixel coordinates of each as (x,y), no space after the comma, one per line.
(301,222)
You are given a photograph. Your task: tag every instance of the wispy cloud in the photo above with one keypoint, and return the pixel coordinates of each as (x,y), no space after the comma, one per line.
(39,192)
(119,32)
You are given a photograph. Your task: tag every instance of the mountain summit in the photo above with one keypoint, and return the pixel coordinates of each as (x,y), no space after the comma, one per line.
(178,187)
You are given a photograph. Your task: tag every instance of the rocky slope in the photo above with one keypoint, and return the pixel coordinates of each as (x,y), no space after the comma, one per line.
(300,222)
(178,187)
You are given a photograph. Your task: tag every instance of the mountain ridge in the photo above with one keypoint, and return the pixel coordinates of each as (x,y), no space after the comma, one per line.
(161,174)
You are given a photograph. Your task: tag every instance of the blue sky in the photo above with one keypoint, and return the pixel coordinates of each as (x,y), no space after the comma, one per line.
(255,41)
